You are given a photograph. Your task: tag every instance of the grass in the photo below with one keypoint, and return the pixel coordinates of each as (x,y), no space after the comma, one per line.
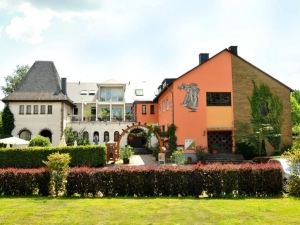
(149,211)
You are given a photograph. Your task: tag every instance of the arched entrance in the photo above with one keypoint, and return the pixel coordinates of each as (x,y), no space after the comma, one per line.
(137,138)
(138,126)
(46,133)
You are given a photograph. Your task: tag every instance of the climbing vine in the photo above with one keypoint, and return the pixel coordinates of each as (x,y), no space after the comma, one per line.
(266,116)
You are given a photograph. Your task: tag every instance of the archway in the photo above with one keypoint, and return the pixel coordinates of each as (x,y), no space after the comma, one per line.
(138,126)
(137,138)
(25,134)
(46,133)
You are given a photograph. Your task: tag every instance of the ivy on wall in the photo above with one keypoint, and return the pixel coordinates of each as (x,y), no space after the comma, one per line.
(266,116)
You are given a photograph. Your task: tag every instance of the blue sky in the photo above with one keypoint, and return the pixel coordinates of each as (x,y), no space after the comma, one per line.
(95,40)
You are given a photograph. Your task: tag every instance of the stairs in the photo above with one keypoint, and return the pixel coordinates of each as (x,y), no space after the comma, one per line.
(141,151)
(224,158)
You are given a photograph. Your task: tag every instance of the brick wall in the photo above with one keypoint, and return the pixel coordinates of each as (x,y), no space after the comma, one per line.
(243,73)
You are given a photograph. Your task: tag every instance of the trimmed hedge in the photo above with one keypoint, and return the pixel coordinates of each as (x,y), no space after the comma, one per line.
(22,182)
(213,180)
(32,157)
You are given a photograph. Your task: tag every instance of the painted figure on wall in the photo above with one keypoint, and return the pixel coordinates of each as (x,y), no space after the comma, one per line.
(191,98)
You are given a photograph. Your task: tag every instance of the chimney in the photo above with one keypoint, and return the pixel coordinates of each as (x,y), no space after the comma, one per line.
(233,50)
(203,57)
(64,85)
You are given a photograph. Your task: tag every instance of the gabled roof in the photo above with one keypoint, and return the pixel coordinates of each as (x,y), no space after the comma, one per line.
(41,83)
(225,50)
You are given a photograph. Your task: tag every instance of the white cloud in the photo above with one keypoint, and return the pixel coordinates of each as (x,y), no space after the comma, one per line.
(30,26)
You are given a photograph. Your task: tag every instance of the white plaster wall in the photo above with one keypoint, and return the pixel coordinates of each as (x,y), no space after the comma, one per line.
(101,127)
(35,123)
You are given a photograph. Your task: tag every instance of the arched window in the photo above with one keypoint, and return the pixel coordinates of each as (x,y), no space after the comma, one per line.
(25,134)
(96,137)
(106,136)
(85,135)
(116,135)
(46,133)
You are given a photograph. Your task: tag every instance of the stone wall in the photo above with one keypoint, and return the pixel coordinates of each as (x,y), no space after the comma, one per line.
(243,74)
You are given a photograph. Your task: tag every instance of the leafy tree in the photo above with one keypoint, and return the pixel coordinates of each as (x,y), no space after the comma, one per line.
(295,105)
(1,127)
(8,121)
(266,116)
(172,137)
(13,80)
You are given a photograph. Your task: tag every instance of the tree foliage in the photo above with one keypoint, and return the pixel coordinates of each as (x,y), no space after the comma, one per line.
(295,105)
(8,121)
(266,116)
(13,80)
(39,141)
(73,136)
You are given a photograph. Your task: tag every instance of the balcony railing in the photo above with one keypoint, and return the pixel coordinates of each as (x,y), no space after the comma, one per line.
(78,118)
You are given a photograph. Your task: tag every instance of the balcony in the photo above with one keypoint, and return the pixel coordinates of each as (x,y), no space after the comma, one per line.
(77,118)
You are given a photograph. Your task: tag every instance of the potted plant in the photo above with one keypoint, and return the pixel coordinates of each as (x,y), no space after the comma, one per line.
(215,148)
(126,153)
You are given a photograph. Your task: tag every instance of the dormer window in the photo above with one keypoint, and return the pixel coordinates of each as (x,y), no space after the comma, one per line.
(139,92)
(84,92)
(92,92)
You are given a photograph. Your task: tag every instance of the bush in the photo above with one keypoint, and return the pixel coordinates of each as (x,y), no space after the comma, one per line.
(293,184)
(216,180)
(39,141)
(58,165)
(246,149)
(178,157)
(17,182)
(32,157)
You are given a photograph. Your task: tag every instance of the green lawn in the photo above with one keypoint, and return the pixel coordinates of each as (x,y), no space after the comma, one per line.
(149,211)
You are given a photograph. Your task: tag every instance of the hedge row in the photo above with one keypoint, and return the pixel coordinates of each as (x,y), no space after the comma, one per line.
(24,181)
(32,157)
(215,180)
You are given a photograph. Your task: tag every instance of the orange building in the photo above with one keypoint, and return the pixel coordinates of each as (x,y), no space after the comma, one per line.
(207,102)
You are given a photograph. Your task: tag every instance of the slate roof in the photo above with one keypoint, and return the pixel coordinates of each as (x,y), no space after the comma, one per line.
(41,83)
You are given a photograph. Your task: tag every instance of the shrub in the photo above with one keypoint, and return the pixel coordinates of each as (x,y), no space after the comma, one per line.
(246,149)
(39,141)
(32,157)
(216,180)
(126,152)
(16,182)
(178,157)
(58,165)
(293,184)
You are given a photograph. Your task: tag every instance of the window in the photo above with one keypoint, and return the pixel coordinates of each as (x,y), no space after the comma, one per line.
(167,104)
(144,109)
(92,92)
(43,109)
(151,109)
(28,109)
(117,113)
(35,109)
(106,136)
(218,98)
(83,92)
(49,109)
(75,111)
(139,92)
(111,94)
(85,136)
(21,109)
(116,135)
(25,135)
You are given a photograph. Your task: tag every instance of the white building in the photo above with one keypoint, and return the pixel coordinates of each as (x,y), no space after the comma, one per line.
(44,104)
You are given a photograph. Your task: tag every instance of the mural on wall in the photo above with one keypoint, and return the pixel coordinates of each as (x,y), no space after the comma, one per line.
(191,98)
